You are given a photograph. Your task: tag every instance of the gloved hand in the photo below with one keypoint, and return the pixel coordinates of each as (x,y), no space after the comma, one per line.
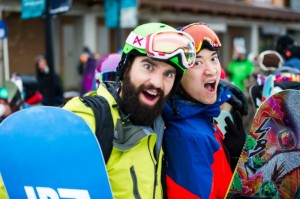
(235,137)
(238,101)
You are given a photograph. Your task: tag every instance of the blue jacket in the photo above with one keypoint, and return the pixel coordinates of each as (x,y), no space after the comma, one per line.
(293,62)
(192,148)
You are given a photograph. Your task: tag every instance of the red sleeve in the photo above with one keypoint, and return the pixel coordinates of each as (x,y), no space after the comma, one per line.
(35,99)
(222,171)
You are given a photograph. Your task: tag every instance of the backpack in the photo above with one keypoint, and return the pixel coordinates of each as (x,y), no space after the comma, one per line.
(104,127)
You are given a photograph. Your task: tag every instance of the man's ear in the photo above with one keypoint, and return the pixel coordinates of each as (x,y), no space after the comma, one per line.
(127,69)
(125,73)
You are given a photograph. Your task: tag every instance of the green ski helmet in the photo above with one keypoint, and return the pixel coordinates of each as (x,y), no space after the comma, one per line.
(177,60)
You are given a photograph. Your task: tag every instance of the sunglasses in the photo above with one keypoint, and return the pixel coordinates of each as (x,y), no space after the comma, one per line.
(165,45)
(201,32)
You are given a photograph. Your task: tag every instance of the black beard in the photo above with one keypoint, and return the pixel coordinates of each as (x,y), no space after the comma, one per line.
(140,114)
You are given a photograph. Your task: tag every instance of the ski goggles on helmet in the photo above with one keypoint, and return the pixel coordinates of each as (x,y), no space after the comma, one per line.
(106,76)
(165,45)
(201,32)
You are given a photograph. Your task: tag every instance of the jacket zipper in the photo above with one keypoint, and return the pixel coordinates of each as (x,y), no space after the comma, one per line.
(135,183)
(155,169)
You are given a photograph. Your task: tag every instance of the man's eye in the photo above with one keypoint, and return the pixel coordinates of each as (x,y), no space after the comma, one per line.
(215,58)
(148,66)
(170,74)
(198,63)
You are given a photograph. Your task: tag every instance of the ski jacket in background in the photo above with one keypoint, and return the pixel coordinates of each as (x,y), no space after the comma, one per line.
(44,82)
(197,166)
(134,166)
(240,71)
(293,63)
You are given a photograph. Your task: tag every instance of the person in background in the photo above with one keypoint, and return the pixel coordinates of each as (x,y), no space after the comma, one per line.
(197,165)
(240,68)
(45,81)
(292,57)
(290,52)
(283,43)
(10,99)
(106,68)
(269,63)
(266,62)
(83,57)
(154,58)
(27,85)
(5,109)
(87,82)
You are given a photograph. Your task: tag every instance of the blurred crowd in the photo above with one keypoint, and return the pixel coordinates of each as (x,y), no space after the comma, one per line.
(248,72)
(26,90)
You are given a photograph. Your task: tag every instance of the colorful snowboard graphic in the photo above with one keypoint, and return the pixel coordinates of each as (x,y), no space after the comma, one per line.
(48,152)
(269,166)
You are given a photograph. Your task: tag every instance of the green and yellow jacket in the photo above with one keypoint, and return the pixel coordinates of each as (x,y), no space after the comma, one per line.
(134,166)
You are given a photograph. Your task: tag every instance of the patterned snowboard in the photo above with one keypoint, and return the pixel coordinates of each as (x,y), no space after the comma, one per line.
(48,152)
(269,165)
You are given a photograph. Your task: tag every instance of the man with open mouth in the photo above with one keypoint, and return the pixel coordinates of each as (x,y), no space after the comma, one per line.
(197,163)
(154,58)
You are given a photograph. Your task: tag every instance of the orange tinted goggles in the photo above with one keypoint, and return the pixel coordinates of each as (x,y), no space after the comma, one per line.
(201,32)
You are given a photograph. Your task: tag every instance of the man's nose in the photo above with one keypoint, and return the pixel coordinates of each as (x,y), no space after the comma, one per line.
(210,70)
(157,80)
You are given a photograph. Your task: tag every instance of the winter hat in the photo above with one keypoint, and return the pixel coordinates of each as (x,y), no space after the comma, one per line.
(292,52)
(283,43)
(269,60)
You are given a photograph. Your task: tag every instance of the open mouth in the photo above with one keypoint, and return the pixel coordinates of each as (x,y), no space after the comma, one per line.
(150,95)
(210,86)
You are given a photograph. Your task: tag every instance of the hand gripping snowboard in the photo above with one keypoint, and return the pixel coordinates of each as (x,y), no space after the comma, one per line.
(269,165)
(51,153)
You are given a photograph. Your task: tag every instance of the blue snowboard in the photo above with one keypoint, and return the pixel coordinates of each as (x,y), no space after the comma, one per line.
(48,152)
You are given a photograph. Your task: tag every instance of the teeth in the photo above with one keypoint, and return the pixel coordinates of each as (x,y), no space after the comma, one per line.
(151,93)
